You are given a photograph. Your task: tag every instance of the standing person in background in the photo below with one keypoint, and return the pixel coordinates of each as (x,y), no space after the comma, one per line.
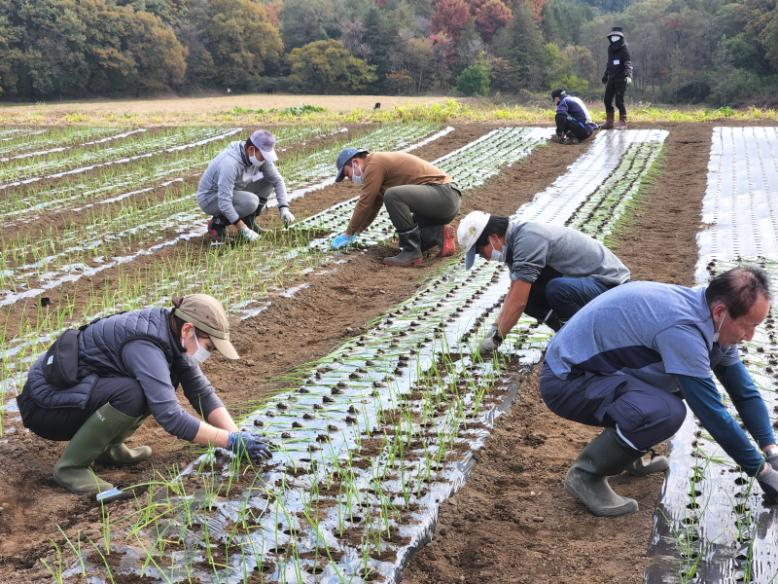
(617,77)
(420,198)
(573,121)
(237,183)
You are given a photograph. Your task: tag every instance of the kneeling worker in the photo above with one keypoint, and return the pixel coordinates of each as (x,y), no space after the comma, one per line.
(128,365)
(420,198)
(237,183)
(629,359)
(573,121)
(554,270)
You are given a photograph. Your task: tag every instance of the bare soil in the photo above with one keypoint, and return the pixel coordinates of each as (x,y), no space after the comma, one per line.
(512,522)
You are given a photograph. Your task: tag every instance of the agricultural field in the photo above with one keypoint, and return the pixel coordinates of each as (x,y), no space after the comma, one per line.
(400,454)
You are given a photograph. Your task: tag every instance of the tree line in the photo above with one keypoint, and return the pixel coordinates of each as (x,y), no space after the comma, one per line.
(715,51)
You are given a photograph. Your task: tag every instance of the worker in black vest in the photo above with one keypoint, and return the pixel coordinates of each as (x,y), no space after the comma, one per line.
(617,77)
(128,366)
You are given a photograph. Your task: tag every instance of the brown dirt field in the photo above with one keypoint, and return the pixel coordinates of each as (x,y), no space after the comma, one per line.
(516,487)
(514,490)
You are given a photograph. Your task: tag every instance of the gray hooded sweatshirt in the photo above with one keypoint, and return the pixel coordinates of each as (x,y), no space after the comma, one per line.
(232,171)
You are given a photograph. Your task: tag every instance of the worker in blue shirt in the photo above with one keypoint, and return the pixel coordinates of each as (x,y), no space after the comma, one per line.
(629,359)
(573,121)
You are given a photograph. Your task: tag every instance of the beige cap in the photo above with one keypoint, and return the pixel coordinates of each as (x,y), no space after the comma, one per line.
(207,315)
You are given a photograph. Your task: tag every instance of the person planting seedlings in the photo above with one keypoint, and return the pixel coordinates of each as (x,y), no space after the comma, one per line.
(629,359)
(554,270)
(573,121)
(420,198)
(95,386)
(617,77)
(237,183)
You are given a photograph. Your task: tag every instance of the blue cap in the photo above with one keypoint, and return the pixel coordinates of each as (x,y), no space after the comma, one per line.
(345,157)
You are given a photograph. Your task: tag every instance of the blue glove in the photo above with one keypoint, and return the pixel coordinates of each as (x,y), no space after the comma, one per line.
(249,444)
(343,240)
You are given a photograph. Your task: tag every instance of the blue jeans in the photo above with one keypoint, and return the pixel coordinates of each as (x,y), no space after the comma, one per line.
(642,414)
(564,296)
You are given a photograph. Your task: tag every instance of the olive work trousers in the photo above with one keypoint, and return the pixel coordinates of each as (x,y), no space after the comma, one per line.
(422,205)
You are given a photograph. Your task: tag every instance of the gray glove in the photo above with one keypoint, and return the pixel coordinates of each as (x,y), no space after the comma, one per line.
(251,445)
(768,480)
(249,234)
(628,81)
(286,215)
(491,342)
(772,460)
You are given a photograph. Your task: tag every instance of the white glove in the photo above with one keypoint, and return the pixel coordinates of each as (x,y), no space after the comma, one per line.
(490,342)
(286,215)
(629,81)
(248,234)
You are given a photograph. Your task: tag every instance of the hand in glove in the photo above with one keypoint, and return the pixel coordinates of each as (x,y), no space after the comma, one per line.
(604,79)
(246,443)
(772,457)
(628,81)
(556,138)
(490,342)
(343,240)
(248,234)
(768,480)
(286,215)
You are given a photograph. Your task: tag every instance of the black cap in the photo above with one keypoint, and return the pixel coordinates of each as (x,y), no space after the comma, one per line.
(558,93)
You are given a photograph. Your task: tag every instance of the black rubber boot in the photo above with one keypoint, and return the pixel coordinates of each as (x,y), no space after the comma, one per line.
(410,249)
(217,227)
(442,236)
(251,223)
(587,478)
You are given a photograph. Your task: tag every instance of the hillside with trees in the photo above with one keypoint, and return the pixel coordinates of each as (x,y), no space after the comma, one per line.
(684,51)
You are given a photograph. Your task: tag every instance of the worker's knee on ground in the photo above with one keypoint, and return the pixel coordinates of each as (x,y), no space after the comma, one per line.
(647,418)
(126,395)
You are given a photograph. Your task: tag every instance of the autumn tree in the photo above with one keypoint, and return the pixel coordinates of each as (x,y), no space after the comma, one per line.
(328,67)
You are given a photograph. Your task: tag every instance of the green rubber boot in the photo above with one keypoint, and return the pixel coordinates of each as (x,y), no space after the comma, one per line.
(587,478)
(72,470)
(119,453)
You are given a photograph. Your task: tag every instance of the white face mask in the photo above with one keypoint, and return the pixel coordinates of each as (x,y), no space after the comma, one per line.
(255,161)
(497,255)
(201,354)
(357,179)
(614,39)
(721,324)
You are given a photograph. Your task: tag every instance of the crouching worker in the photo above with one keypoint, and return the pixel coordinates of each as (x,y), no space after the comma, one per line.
(237,183)
(573,121)
(554,270)
(119,370)
(420,198)
(629,359)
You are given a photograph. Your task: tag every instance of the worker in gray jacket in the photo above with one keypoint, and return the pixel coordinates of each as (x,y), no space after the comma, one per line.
(128,366)
(237,183)
(554,270)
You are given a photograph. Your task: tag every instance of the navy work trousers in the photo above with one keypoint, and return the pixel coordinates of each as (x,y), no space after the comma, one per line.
(562,295)
(642,414)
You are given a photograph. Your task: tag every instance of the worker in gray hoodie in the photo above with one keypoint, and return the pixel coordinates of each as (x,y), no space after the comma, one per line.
(237,183)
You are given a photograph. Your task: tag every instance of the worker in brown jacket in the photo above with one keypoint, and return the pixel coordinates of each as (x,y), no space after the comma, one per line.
(420,198)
